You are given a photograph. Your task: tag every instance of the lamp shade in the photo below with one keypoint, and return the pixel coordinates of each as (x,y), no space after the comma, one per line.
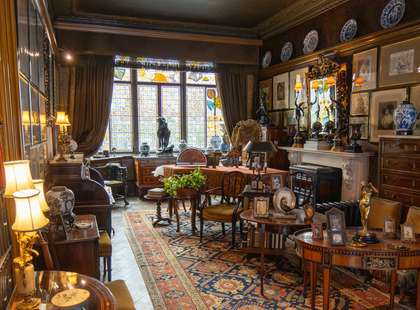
(330,81)
(18,177)
(260,147)
(359,81)
(39,185)
(62,119)
(29,216)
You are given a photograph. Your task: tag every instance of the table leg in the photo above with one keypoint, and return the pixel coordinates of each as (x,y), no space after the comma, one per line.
(159,217)
(175,206)
(262,257)
(170,208)
(193,216)
(326,288)
(313,283)
(418,291)
(392,289)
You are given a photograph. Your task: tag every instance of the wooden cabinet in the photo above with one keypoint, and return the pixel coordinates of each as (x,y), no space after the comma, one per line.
(399,169)
(145,166)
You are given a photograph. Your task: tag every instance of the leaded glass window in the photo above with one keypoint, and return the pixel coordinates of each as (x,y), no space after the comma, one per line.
(157,76)
(147,101)
(122,74)
(196,116)
(201,78)
(120,123)
(171,111)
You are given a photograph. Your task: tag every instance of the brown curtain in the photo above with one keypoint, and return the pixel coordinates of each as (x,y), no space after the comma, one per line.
(92,102)
(236,87)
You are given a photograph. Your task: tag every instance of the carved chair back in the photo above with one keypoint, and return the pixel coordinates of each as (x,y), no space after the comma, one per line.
(191,156)
(233,184)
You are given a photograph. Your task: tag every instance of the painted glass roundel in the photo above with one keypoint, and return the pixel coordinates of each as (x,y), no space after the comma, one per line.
(286,51)
(266,61)
(349,30)
(393,13)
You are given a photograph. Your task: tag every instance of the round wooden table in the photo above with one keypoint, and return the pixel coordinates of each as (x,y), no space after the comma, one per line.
(378,256)
(283,226)
(49,283)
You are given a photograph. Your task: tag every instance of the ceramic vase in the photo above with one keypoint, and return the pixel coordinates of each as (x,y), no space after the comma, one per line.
(215,142)
(405,116)
(60,199)
(144,149)
(182,145)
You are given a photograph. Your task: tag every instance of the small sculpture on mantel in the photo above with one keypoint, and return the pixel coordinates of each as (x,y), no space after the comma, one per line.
(262,117)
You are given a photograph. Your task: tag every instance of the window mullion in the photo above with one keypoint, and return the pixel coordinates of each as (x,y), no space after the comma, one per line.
(183,106)
(205,118)
(135,111)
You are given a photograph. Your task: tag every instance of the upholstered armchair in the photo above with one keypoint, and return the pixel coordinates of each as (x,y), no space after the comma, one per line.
(230,205)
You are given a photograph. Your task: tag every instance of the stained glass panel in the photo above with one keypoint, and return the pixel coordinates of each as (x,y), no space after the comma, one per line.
(323,109)
(158,76)
(120,123)
(171,111)
(122,74)
(147,102)
(215,124)
(196,116)
(202,78)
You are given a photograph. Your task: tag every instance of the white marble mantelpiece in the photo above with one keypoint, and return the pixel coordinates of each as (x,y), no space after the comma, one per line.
(354,166)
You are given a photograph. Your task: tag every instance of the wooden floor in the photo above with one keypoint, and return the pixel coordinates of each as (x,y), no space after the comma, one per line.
(124,265)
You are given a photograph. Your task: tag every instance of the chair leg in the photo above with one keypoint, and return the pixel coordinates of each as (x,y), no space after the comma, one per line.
(109,269)
(223,229)
(125,195)
(233,233)
(183,205)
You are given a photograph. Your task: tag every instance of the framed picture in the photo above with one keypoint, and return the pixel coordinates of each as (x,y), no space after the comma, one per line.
(415,99)
(337,237)
(382,106)
(365,66)
(408,233)
(289,118)
(317,231)
(389,228)
(364,129)
(399,63)
(277,117)
(281,91)
(266,88)
(298,74)
(276,181)
(359,104)
(335,219)
(261,206)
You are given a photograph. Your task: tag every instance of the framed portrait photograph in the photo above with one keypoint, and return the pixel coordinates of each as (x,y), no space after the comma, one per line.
(365,66)
(299,74)
(382,106)
(337,237)
(408,233)
(364,129)
(276,181)
(261,207)
(281,91)
(317,231)
(335,220)
(389,229)
(415,99)
(359,105)
(399,63)
(266,88)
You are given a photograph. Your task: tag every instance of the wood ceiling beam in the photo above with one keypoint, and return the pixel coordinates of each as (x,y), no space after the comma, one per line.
(156,34)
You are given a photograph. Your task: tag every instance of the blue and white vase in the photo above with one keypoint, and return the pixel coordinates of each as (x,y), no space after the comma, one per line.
(182,145)
(215,142)
(405,116)
(144,149)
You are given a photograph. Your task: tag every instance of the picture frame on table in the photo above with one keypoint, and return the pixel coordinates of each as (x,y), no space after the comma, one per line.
(408,234)
(399,63)
(336,237)
(276,181)
(301,74)
(336,227)
(281,91)
(365,66)
(415,100)
(266,87)
(359,105)
(317,231)
(364,129)
(261,207)
(389,229)
(382,106)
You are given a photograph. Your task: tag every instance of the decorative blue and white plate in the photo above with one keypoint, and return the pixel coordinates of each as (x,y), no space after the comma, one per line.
(266,61)
(349,30)
(393,13)
(311,42)
(286,51)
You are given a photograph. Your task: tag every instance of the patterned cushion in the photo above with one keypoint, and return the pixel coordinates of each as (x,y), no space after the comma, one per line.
(382,209)
(122,295)
(219,213)
(105,244)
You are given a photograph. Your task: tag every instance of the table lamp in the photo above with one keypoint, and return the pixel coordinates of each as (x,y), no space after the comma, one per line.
(39,185)
(18,177)
(62,121)
(29,219)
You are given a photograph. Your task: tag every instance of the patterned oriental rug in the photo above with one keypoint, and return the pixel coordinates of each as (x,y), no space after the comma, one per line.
(180,273)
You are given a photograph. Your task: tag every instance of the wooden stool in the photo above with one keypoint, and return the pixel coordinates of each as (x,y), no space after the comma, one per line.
(105,251)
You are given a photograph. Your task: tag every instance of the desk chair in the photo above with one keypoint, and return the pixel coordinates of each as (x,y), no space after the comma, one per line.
(115,176)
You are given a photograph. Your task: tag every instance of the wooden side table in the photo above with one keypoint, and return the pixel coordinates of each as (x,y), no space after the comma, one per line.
(49,283)
(284,227)
(378,256)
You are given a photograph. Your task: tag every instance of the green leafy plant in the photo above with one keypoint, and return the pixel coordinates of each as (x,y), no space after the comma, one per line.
(194,180)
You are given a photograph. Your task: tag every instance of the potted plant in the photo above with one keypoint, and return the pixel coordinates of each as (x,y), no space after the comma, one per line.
(181,185)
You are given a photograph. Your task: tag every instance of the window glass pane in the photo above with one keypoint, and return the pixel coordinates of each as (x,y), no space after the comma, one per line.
(105,141)
(26,112)
(23,56)
(201,78)
(157,76)
(196,116)
(171,111)
(122,74)
(147,101)
(215,124)
(33,52)
(120,123)
(36,129)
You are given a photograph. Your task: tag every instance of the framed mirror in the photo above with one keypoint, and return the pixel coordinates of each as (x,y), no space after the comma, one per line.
(328,101)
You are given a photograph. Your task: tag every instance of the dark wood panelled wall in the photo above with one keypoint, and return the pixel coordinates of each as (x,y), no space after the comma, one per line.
(367,13)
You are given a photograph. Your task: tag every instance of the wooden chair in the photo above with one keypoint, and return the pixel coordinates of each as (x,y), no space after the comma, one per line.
(115,176)
(230,205)
(191,157)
